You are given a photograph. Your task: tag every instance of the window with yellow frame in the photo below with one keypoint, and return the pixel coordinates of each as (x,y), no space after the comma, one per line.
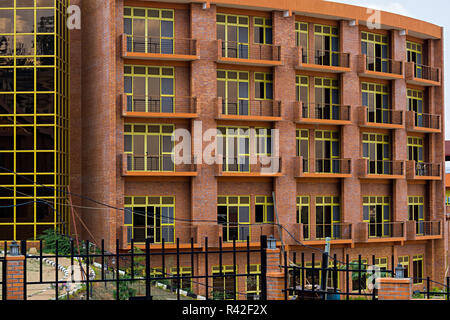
(376,48)
(302,139)
(34,118)
(377,149)
(149,30)
(150,88)
(149,147)
(233,88)
(414,52)
(326,40)
(263,141)
(253,285)
(302,93)
(224,287)
(233,214)
(377,213)
(233,30)
(417,269)
(150,218)
(233,144)
(264,209)
(301,38)
(377,100)
(184,283)
(327,99)
(416,212)
(404,262)
(416,104)
(328,217)
(382,264)
(359,275)
(328,149)
(303,215)
(415,149)
(263,86)
(262,28)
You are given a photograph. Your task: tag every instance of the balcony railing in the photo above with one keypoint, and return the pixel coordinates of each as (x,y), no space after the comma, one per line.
(254,53)
(379,117)
(159,46)
(322,113)
(428,228)
(422,74)
(382,68)
(159,104)
(245,109)
(135,165)
(334,167)
(423,170)
(423,122)
(325,58)
(386,230)
(383,168)
(318,232)
(250,165)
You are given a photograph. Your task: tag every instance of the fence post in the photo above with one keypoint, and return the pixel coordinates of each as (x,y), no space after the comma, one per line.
(14,266)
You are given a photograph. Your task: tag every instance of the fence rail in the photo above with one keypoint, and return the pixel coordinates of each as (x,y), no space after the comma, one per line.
(326,58)
(119,271)
(384,65)
(246,107)
(160,45)
(254,51)
(326,111)
(164,104)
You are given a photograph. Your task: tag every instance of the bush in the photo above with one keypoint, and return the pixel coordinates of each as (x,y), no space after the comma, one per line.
(50,237)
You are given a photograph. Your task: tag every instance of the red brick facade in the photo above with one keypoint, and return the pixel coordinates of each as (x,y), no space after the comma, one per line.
(97,129)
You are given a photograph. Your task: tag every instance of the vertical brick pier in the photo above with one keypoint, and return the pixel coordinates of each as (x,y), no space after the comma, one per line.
(14,277)
(275,275)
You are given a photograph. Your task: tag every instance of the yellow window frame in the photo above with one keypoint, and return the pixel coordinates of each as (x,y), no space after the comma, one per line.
(302,82)
(131,131)
(404,262)
(332,137)
(264,79)
(184,272)
(131,202)
(151,72)
(302,203)
(265,201)
(384,202)
(238,201)
(418,259)
(372,90)
(301,30)
(375,139)
(263,139)
(238,133)
(265,24)
(416,149)
(234,76)
(163,15)
(239,24)
(328,201)
(303,135)
(226,269)
(254,270)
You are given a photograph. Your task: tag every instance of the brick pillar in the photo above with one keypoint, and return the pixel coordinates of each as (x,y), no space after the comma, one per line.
(394,289)
(14,277)
(275,275)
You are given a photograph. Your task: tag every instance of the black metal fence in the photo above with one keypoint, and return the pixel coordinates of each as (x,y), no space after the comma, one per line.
(141,273)
(328,278)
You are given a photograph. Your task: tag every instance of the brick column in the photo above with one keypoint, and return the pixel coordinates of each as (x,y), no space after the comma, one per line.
(14,277)
(394,289)
(275,275)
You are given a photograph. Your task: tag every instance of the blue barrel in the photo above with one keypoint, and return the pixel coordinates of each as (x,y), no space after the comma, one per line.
(333,296)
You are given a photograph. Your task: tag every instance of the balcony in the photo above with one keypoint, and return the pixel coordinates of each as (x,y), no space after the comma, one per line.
(378,68)
(381,169)
(423,171)
(248,110)
(156,166)
(248,54)
(421,75)
(381,118)
(323,61)
(427,123)
(423,230)
(323,168)
(159,107)
(380,232)
(153,48)
(250,166)
(315,234)
(322,114)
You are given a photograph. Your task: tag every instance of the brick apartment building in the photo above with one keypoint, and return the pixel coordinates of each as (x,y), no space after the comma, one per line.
(357,109)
